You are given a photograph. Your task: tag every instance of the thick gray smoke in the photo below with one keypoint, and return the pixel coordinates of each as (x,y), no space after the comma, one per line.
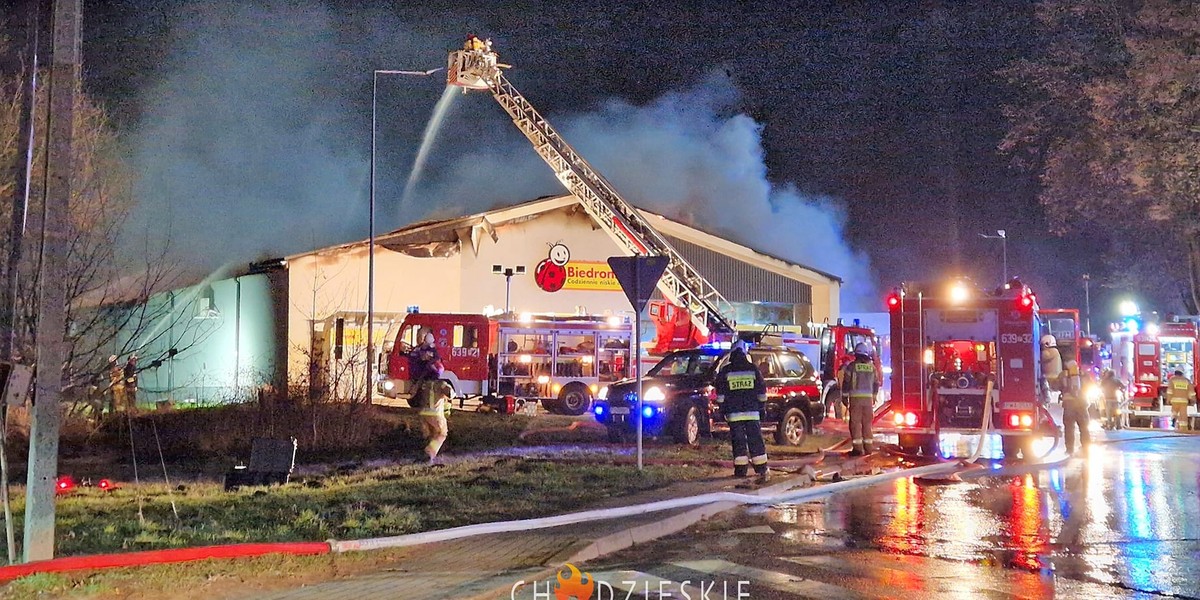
(682,156)
(256,143)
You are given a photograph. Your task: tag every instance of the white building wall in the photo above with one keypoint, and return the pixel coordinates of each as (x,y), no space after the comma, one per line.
(527,244)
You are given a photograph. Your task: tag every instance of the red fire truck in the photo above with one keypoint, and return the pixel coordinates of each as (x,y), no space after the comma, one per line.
(560,361)
(951,344)
(1159,350)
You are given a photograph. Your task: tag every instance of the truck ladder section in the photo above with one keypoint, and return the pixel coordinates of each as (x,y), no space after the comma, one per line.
(911,373)
(681,283)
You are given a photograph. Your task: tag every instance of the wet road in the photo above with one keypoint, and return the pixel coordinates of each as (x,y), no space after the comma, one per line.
(1123,522)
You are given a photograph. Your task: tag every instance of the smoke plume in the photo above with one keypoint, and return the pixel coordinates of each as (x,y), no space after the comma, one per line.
(255,142)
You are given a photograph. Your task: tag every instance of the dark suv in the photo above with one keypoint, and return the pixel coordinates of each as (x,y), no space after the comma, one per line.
(680,400)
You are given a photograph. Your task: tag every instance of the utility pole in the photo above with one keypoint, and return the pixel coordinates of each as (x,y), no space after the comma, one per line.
(45,416)
(16,241)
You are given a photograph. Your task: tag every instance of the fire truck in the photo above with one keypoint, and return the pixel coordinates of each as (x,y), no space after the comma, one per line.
(959,352)
(561,362)
(1159,350)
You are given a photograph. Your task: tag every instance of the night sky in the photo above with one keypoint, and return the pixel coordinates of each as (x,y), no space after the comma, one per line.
(890,110)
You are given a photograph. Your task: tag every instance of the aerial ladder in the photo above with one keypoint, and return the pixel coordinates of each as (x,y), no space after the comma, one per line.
(476,67)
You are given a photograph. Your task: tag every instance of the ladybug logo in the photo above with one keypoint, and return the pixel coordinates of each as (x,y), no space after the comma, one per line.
(551,273)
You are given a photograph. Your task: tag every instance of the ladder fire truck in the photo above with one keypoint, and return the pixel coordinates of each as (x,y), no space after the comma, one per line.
(958,353)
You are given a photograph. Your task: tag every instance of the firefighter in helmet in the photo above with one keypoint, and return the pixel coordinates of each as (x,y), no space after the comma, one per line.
(1111,390)
(1075,410)
(1181,392)
(1051,365)
(860,382)
(741,394)
(116,384)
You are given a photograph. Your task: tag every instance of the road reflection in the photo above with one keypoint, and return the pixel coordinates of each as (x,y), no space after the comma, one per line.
(1128,515)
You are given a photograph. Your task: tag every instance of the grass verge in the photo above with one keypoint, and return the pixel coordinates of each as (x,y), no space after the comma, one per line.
(376,502)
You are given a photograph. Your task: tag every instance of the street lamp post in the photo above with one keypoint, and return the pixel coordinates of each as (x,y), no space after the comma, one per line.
(371,226)
(1087,304)
(1003,237)
(508,273)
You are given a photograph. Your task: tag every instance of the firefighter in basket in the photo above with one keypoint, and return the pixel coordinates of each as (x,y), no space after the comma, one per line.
(859,382)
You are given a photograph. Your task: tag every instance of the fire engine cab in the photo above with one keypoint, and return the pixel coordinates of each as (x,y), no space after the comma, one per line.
(560,361)
(959,352)
(1159,350)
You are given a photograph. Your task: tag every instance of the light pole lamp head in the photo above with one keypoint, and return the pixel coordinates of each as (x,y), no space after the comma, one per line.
(1000,232)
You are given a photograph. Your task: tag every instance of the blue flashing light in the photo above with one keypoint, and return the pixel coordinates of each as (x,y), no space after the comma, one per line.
(599,410)
(1132,325)
(648,411)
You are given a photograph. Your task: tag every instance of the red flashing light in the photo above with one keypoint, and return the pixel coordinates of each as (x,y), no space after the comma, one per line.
(893,301)
(64,484)
(1014,420)
(1026,301)
(104,484)
(1026,421)
(910,419)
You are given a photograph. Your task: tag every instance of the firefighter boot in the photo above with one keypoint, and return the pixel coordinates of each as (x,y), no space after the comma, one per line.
(741,466)
(867,448)
(763,476)
(858,449)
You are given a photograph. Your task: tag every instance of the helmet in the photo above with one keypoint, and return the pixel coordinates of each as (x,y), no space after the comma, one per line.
(112,358)
(862,348)
(1049,341)
(739,346)
(428,339)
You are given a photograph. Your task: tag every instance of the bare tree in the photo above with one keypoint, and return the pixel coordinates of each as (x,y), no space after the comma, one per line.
(108,289)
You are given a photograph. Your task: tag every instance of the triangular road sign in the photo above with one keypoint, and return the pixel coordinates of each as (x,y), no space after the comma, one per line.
(638,276)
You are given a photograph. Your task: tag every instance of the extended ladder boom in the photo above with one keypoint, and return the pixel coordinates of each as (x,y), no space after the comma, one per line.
(476,67)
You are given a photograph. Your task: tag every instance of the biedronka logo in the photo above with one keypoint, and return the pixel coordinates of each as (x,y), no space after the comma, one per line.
(571,584)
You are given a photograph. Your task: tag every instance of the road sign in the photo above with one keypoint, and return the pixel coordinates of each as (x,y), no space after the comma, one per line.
(638,276)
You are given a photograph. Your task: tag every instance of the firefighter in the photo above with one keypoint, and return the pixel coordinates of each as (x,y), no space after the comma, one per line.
(1111,390)
(860,383)
(116,384)
(1075,412)
(130,374)
(741,394)
(1052,365)
(434,405)
(421,361)
(1180,392)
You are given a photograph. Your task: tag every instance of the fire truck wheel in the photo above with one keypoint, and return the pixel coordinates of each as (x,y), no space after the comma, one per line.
(792,428)
(687,428)
(574,399)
